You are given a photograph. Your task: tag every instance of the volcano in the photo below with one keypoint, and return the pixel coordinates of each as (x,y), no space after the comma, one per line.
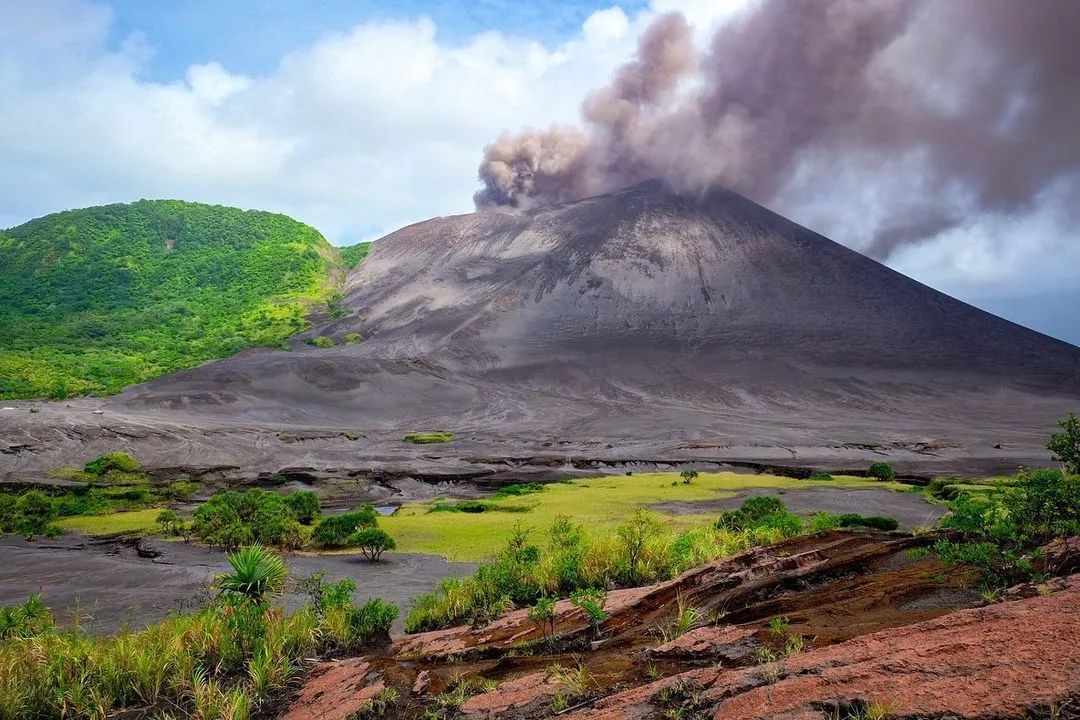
(640,326)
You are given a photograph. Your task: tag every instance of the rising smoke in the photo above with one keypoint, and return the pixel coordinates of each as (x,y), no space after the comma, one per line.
(979,100)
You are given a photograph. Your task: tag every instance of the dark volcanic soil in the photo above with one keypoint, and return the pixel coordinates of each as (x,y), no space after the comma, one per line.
(637,327)
(911,510)
(110,585)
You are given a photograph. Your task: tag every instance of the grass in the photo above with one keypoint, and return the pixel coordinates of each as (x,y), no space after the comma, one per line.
(429,438)
(135,522)
(601,504)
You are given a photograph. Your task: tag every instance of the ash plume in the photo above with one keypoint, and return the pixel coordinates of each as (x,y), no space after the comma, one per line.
(977,100)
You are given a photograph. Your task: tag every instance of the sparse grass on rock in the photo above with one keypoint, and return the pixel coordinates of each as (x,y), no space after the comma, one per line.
(429,438)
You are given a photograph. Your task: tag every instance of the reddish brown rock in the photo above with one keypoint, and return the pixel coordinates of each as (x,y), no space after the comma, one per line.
(714,643)
(513,695)
(721,583)
(1004,660)
(1061,556)
(335,691)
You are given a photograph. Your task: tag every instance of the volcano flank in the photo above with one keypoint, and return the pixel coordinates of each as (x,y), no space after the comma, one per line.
(639,326)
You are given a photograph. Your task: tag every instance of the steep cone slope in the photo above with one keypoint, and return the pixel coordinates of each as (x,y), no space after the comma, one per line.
(644,323)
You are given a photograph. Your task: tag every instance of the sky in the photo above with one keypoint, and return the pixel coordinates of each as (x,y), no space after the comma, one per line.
(359,117)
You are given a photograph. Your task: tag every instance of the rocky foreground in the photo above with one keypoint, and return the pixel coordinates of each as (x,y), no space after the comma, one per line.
(868,629)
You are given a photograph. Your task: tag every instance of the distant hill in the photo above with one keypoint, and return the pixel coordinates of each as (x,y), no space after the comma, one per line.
(96,299)
(353,254)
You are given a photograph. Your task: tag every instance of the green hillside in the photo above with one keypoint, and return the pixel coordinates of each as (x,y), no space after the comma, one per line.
(351,255)
(92,300)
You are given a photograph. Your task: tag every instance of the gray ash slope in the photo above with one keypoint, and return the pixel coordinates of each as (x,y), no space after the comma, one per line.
(634,325)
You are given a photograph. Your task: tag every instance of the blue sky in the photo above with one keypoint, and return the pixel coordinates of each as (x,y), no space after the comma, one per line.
(360,117)
(251,36)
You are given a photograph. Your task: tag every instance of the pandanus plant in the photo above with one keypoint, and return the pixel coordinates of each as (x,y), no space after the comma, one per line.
(256,573)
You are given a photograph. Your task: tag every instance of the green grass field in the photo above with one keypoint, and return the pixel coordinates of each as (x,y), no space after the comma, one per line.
(600,504)
(135,522)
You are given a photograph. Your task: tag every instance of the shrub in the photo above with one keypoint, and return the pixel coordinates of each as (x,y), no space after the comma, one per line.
(823,522)
(372,542)
(591,602)
(370,621)
(34,511)
(30,619)
(762,512)
(820,476)
(111,461)
(335,531)
(180,490)
(635,535)
(543,614)
(320,342)
(232,519)
(171,523)
(688,476)
(304,505)
(876,522)
(352,337)
(517,490)
(881,471)
(256,573)
(1065,445)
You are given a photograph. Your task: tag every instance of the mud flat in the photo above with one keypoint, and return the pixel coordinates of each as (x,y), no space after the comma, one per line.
(911,510)
(112,584)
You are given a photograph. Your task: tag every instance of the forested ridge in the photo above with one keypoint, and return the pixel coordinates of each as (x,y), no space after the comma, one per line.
(96,299)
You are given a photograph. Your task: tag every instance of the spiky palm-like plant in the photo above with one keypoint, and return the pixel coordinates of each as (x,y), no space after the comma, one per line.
(257,572)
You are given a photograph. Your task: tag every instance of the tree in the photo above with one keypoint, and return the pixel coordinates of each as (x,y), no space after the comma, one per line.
(688,476)
(336,530)
(256,573)
(372,542)
(881,471)
(304,504)
(543,614)
(1065,446)
(636,535)
(171,523)
(33,513)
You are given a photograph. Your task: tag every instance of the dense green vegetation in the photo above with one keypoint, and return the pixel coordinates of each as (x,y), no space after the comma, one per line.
(1065,445)
(569,562)
(92,300)
(112,487)
(1003,529)
(232,519)
(221,662)
(352,255)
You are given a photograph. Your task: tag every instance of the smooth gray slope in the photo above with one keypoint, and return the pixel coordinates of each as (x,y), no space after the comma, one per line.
(662,326)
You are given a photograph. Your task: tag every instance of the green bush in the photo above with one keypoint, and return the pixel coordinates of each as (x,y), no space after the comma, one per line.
(320,341)
(820,476)
(881,471)
(517,490)
(112,461)
(304,505)
(233,519)
(352,338)
(34,512)
(823,522)
(762,512)
(335,531)
(875,522)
